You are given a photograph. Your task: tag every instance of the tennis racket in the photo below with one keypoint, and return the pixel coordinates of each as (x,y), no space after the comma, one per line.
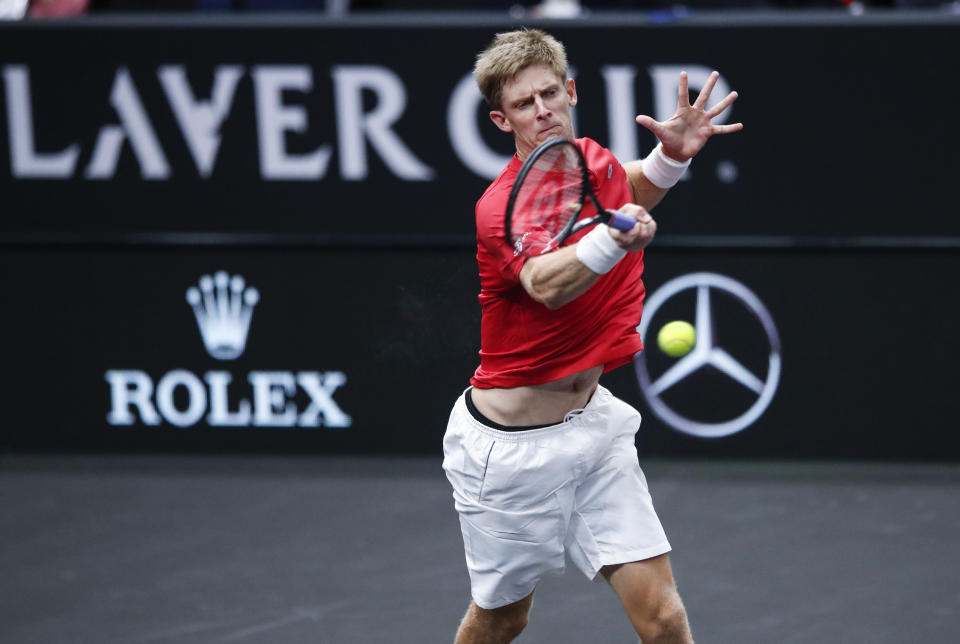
(548,199)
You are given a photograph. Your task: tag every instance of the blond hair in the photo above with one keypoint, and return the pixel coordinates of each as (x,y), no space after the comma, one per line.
(512,52)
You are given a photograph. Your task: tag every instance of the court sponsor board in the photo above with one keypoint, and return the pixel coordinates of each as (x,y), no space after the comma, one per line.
(365,351)
(360,133)
(709,352)
(223,307)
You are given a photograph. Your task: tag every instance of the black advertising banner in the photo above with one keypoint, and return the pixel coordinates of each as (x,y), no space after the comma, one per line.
(372,132)
(813,354)
(257,234)
(219,350)
(800,354)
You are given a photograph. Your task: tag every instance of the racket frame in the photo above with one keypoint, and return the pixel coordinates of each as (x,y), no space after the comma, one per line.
(616,219)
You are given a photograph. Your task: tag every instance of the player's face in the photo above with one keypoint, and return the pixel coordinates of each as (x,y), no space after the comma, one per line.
(535,107)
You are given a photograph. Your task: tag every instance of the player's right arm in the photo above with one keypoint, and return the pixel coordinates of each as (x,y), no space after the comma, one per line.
(560,277)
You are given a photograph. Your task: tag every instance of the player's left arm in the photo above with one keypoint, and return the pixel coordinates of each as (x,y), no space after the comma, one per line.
(682,136)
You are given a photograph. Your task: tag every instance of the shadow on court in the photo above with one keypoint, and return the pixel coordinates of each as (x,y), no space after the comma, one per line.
(137,550)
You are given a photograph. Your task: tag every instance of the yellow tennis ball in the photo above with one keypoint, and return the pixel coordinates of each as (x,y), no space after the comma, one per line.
(677,338)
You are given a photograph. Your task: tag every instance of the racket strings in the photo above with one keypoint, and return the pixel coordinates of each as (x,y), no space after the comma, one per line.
(547,201)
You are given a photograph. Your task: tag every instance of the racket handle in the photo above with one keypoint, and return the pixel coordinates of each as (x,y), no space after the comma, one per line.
(620,221)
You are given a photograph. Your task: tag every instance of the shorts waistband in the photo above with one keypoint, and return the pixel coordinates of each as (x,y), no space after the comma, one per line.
(483,420)
(526,434)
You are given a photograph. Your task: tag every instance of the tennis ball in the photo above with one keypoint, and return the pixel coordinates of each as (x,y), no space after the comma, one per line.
(677,338)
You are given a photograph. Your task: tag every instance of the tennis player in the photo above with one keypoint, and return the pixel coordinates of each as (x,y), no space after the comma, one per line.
(541,457)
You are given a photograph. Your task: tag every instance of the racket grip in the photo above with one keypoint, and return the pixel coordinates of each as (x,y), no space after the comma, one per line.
(620,221)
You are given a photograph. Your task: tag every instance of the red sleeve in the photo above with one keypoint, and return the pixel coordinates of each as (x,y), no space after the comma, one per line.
(605,171)
(493,251)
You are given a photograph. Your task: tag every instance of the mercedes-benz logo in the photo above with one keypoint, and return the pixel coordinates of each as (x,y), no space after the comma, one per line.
(706,352)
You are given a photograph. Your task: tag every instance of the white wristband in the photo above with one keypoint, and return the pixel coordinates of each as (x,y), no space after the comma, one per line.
(661,170)
(598,251)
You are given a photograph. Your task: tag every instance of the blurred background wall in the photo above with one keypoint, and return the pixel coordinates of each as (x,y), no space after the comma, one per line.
(224,229)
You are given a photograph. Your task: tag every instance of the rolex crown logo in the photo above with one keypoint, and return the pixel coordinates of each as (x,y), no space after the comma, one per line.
(223,306)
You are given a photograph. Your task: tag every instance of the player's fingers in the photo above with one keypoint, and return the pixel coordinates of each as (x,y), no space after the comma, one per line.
(645,232)
(722,105)
(649,122)
(704,94)
(645,227)
(634,210)
(727,129)
(683,93)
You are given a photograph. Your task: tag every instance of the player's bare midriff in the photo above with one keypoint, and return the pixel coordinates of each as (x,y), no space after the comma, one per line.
(543,404)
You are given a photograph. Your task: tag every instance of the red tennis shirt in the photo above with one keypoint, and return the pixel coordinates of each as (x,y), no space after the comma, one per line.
(522,342)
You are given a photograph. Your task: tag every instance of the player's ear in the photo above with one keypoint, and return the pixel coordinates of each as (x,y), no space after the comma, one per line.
(500,120)
(571,88)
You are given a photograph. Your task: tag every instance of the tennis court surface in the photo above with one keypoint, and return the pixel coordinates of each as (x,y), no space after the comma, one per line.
(284,550)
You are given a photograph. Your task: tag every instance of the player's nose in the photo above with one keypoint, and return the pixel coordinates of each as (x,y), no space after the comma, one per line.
(542,109)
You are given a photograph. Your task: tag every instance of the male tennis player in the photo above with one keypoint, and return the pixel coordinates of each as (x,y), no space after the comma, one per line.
(542,458)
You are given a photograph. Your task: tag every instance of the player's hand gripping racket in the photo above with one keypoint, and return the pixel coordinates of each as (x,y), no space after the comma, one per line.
(548,197)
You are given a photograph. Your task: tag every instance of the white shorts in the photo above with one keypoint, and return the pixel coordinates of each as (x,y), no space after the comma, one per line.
(527,497)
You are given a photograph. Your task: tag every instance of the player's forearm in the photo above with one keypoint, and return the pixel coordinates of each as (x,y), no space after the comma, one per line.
(644,193)
(556,279)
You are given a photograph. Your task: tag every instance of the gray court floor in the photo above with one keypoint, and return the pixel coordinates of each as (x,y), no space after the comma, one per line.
(175,549)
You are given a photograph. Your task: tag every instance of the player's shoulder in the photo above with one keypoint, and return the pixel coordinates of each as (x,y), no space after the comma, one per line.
(497,193)
(601,164)
(594,152)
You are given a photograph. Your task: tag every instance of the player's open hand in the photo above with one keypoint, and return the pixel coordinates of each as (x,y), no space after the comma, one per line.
(687,131)
(638,237)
